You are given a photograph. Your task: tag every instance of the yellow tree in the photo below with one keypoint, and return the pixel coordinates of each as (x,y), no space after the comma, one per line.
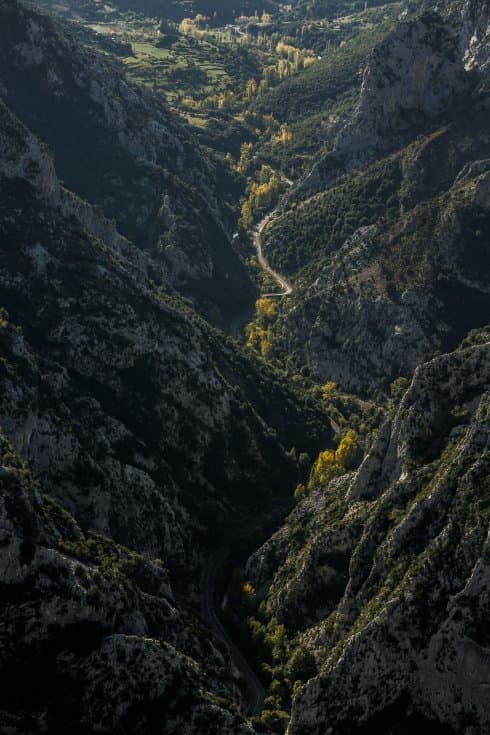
(347,449)
(326,467)
(328,390)
(247,597)
(245,157)
(331,463)
(247,218)
(266,309)
(259,331)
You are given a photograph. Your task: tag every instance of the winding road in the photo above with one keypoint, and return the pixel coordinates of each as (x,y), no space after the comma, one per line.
(282,282)
(211,571)
(237,324)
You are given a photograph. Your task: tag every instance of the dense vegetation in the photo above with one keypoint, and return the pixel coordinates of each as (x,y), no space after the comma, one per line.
(315,229)
(329,442)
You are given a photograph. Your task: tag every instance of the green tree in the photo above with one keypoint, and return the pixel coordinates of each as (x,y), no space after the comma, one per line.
(301,666)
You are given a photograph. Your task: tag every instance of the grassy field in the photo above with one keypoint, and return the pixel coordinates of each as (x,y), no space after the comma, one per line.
(186,68)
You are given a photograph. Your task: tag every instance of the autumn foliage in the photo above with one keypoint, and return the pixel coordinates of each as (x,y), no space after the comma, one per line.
(262,194)
(329,390)
(259,332)
(334,462)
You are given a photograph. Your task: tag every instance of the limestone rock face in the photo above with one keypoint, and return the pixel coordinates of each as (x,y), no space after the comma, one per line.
(24,157)
(476,22)
(473,18)
(411,77)
(390,587)
(421,70)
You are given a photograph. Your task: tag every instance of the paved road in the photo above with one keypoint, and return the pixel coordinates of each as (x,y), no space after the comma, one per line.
(282,282)
(211,572)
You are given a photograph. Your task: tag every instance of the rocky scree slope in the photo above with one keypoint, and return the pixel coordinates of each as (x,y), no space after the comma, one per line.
(118,146)
(388,584)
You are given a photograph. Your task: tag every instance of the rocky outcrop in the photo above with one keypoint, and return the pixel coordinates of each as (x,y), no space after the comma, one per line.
(475,15)
(390,588)
(26,157)
(421,70)
(472,17)
(411,77)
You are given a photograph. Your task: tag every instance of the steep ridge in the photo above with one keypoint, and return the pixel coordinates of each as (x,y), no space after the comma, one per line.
(121,355)
(411,78)
(388,584)
(152,436)
(119,147)
(390,264)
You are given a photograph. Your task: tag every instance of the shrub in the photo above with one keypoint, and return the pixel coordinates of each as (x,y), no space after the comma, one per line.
(301,666)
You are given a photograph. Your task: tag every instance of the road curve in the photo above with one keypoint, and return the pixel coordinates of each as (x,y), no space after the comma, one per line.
(208,610)
(282,282)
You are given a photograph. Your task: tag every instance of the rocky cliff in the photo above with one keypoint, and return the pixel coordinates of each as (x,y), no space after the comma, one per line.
(388,583)
(475,15)
(389,262)
(132,433)
(423,68)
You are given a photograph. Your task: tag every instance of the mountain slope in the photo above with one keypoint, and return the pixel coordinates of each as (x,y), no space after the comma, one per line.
(91,634)
(151,436)
(119,147)
(388,582)
(412,77)
(391,296)
(390,258)
(144,387)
